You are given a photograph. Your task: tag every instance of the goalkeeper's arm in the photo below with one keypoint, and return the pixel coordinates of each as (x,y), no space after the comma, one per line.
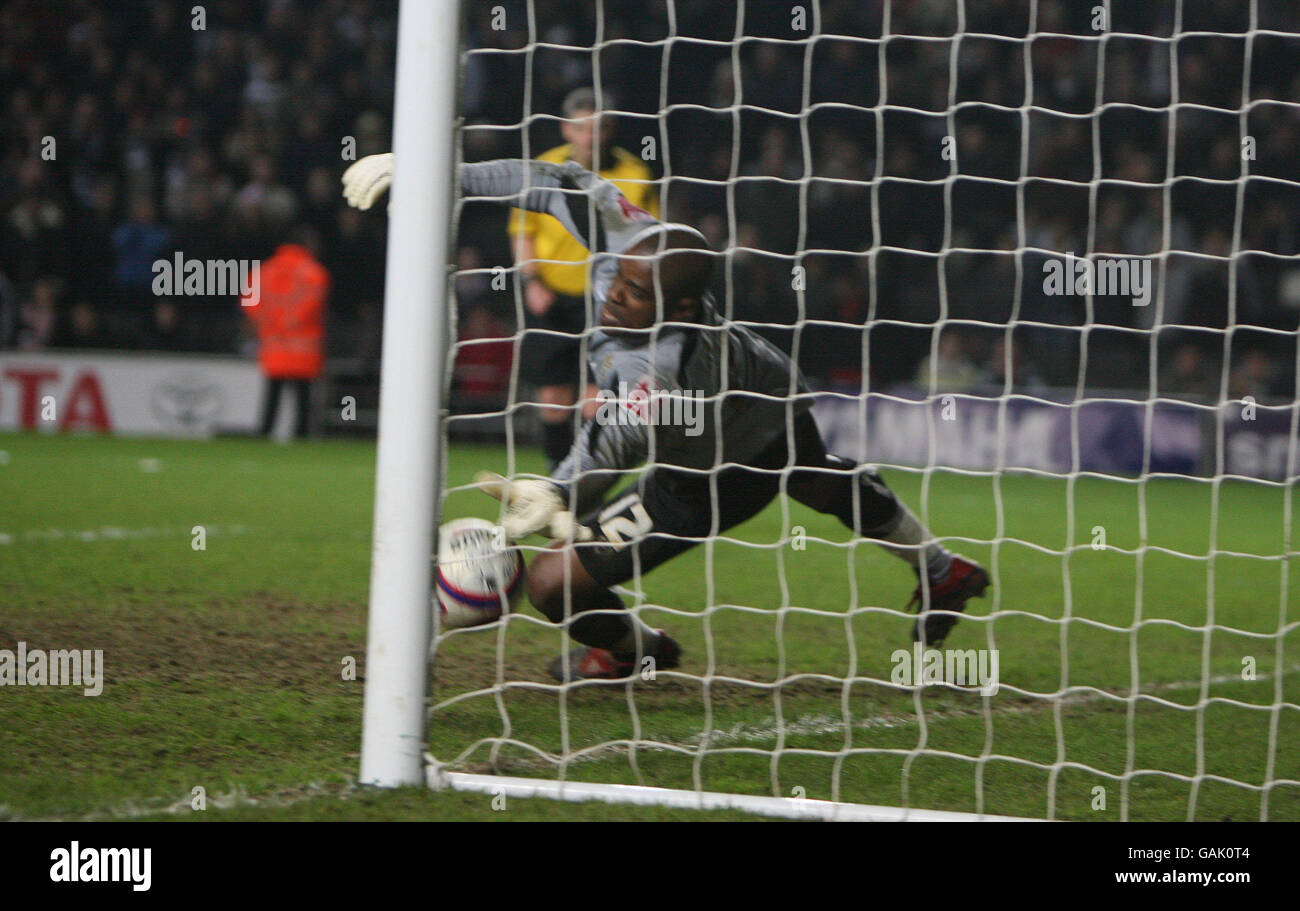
(367,179)
(596,462)
(567,191)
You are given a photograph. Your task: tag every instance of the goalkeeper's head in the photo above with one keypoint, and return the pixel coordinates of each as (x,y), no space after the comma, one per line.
(668,263)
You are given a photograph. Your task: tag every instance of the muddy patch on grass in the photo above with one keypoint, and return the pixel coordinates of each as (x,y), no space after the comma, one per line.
(260,640)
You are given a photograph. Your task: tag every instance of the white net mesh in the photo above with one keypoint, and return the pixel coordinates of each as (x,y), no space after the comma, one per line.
(1039,260)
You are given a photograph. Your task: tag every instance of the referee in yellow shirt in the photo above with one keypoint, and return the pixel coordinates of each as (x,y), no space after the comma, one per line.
(553,267)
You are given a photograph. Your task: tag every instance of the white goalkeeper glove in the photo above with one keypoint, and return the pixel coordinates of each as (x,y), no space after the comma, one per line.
(533,506)
(367,179)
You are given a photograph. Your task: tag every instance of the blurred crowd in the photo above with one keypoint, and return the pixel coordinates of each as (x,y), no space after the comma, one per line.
(220,143)
(217,142)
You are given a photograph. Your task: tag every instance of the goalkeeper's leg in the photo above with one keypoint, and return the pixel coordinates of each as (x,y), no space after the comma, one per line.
(615,642)
(859,498)
(666,513)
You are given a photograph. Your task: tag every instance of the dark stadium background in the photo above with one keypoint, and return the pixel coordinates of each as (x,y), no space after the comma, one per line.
(216,142)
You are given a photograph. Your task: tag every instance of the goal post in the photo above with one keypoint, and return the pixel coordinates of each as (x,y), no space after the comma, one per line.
(411,394)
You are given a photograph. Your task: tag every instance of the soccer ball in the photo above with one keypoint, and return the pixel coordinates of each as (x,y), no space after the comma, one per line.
(477,580)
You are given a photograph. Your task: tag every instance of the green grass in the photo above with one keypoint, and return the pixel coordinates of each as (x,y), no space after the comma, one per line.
(223,665)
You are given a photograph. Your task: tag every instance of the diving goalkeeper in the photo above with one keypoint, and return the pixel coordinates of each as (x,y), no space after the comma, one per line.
(658,333)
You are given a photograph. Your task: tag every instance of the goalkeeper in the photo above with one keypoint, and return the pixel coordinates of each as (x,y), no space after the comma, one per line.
(660,335)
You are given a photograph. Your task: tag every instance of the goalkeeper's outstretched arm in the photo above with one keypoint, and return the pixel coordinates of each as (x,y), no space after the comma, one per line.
(597,214)
(589,207)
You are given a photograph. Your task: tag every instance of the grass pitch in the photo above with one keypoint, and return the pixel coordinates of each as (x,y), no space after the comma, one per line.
(223,665)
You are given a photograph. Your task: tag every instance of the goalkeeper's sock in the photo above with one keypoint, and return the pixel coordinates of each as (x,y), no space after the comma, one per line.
(637,633)
(557,440)
(616,633)
(908,542)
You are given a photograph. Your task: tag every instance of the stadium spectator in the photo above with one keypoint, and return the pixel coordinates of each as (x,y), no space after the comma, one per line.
(38,316)
(172,326)
(34,228)
(83,329)
(8,312)
(1025,377)
(952,370)
(1256,375)
(138,243)
(482,372)
(1190,373)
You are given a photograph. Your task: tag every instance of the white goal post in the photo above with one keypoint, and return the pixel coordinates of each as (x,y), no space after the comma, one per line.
(411,474)
(411,394)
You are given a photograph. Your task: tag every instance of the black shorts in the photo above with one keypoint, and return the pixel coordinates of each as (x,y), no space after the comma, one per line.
(550,359)
(668,511)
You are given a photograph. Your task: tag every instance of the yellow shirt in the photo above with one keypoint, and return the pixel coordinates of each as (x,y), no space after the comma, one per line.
(551,242)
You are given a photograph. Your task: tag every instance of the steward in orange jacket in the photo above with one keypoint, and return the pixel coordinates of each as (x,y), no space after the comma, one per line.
(288,310)
(290,314)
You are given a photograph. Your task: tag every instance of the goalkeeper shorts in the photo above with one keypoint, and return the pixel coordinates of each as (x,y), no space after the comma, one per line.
(667,511)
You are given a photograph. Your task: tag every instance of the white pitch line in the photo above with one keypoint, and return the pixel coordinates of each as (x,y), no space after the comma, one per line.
(829,724)
(806,725)
(112,533)
(166,806)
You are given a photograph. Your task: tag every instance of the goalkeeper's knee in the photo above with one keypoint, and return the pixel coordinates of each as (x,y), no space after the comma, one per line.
(854,494)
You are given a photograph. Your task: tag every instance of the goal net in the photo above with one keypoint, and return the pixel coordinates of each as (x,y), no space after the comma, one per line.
(1038,261)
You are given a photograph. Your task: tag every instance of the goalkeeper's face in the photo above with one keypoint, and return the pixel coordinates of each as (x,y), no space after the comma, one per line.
(630,302)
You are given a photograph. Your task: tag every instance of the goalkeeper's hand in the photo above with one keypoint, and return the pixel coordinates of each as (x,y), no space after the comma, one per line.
(533,506)
(367,179)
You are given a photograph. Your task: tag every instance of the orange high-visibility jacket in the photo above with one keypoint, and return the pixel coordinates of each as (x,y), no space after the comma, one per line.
(289,313)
